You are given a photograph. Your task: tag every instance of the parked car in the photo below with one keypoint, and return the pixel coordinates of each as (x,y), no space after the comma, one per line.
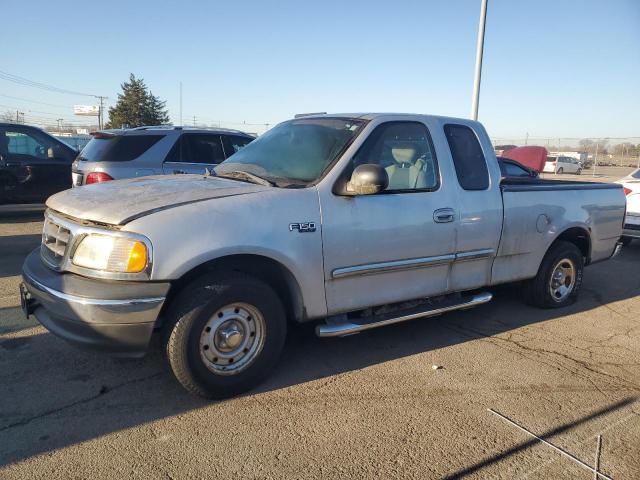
(562,165)
(136,152)
(631,185)
(33,164)
(511,169)
(352,221)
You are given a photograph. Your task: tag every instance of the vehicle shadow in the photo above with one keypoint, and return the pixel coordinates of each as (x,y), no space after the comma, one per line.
(13,250)
(20,214)
(78,396)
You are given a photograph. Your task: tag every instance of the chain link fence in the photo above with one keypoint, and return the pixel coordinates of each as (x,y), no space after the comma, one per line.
(604,151)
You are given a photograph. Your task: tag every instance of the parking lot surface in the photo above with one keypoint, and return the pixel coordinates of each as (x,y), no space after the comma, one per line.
(367,406)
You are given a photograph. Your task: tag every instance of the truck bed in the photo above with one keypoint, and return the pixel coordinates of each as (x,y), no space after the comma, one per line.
(513,184)
(535,210)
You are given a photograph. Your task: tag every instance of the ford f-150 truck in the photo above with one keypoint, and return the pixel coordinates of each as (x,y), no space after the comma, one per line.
(353,221)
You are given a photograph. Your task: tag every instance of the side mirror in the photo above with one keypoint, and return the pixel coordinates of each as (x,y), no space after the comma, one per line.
(367,179)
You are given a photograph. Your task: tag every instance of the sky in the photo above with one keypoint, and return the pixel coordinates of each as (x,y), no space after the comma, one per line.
(552,68)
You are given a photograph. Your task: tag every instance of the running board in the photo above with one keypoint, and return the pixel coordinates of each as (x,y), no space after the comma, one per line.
(340,329)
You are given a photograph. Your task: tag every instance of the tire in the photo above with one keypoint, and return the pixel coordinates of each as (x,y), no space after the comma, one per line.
(625,241)
(539,291)
(230,306)
(560,171)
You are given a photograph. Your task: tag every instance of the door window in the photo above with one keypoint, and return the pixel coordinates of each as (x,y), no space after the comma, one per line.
(234,143)
(21,143)
(202,149)
(468,159)
(405,151)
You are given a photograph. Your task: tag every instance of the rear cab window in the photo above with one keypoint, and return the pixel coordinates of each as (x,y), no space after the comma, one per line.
(117,148)
(468,159)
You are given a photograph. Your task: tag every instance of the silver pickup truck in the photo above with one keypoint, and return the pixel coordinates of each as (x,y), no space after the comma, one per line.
(352,221)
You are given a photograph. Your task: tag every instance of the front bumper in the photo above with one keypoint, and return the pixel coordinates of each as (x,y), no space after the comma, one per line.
(111,316)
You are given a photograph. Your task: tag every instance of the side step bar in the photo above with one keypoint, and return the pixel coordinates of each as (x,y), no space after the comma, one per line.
(348,328)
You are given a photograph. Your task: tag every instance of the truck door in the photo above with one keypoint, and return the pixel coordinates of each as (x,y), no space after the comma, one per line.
(479,206)
(38,166)
(395,245)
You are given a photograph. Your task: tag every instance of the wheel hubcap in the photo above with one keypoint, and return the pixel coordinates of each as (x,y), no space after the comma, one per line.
(563,279)
(232,338)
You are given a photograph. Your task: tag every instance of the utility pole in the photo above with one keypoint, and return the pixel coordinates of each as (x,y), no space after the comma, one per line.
(194,120)
(180,103)
(18,113)
(100,110)
(59,120)
(595,160)
(526,139)
(479,53)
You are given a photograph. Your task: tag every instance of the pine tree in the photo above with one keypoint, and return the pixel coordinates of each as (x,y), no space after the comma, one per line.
(137,106)
(156,111)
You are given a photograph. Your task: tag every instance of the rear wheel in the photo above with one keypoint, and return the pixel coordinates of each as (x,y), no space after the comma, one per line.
(559,277)
(225,334)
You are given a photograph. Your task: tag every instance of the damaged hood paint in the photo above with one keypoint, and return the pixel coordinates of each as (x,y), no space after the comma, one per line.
(121,201)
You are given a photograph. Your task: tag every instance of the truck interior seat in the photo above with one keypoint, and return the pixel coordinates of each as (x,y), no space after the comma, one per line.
(404,174)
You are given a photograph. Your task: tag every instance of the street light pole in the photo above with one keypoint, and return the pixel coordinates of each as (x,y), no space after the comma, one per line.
(479,52)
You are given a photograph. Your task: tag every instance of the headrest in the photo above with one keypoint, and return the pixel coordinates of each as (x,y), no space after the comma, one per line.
(404,152)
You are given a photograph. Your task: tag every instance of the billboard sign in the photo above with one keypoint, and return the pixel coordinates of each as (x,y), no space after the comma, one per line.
(86,110)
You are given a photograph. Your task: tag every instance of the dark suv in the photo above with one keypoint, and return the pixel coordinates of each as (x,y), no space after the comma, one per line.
(141,151)
(33,164)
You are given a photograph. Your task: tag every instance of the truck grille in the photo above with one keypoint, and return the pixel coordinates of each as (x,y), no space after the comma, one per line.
(55,239)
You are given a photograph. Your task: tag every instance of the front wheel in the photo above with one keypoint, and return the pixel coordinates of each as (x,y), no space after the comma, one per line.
(560,171)
(559,277)
(225,334)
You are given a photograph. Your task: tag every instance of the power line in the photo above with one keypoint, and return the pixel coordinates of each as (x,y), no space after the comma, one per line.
(43,86)
(34,101)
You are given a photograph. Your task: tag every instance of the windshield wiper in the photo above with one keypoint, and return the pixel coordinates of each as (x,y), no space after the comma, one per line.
(249,177)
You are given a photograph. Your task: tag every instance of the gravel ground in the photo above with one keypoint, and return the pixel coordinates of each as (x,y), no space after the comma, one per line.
(366,406)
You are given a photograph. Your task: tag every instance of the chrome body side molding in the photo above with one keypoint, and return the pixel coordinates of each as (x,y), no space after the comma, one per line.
(394,265)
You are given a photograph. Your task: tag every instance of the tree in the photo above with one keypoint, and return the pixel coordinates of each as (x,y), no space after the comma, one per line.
(137,106)
(8,116)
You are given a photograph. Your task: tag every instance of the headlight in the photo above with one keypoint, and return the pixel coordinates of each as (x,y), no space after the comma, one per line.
(111,254)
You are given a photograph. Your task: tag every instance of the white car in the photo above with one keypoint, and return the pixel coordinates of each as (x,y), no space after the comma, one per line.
(562,165)
(631,184)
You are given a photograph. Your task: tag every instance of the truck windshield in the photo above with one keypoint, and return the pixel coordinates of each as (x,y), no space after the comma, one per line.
(294,152)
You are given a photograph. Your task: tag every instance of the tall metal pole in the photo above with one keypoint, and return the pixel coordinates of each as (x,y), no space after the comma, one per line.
(180,103)
(479,53)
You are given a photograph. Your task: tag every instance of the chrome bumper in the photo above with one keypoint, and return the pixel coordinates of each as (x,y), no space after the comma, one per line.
(112,322)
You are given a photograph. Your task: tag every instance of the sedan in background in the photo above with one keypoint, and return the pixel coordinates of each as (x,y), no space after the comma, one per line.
(631,185)
(562,165)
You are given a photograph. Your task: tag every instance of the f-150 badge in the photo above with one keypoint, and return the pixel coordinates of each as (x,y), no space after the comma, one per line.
(303,227)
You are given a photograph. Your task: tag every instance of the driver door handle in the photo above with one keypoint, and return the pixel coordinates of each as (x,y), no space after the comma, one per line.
(444,215)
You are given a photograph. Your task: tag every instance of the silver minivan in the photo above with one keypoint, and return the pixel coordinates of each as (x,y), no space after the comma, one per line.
(137,152)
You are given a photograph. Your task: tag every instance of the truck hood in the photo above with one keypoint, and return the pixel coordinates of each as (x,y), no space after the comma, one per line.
(118,202)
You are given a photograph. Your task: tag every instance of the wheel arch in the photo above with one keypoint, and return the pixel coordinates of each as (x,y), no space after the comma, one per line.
(580,237)
(270,271)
